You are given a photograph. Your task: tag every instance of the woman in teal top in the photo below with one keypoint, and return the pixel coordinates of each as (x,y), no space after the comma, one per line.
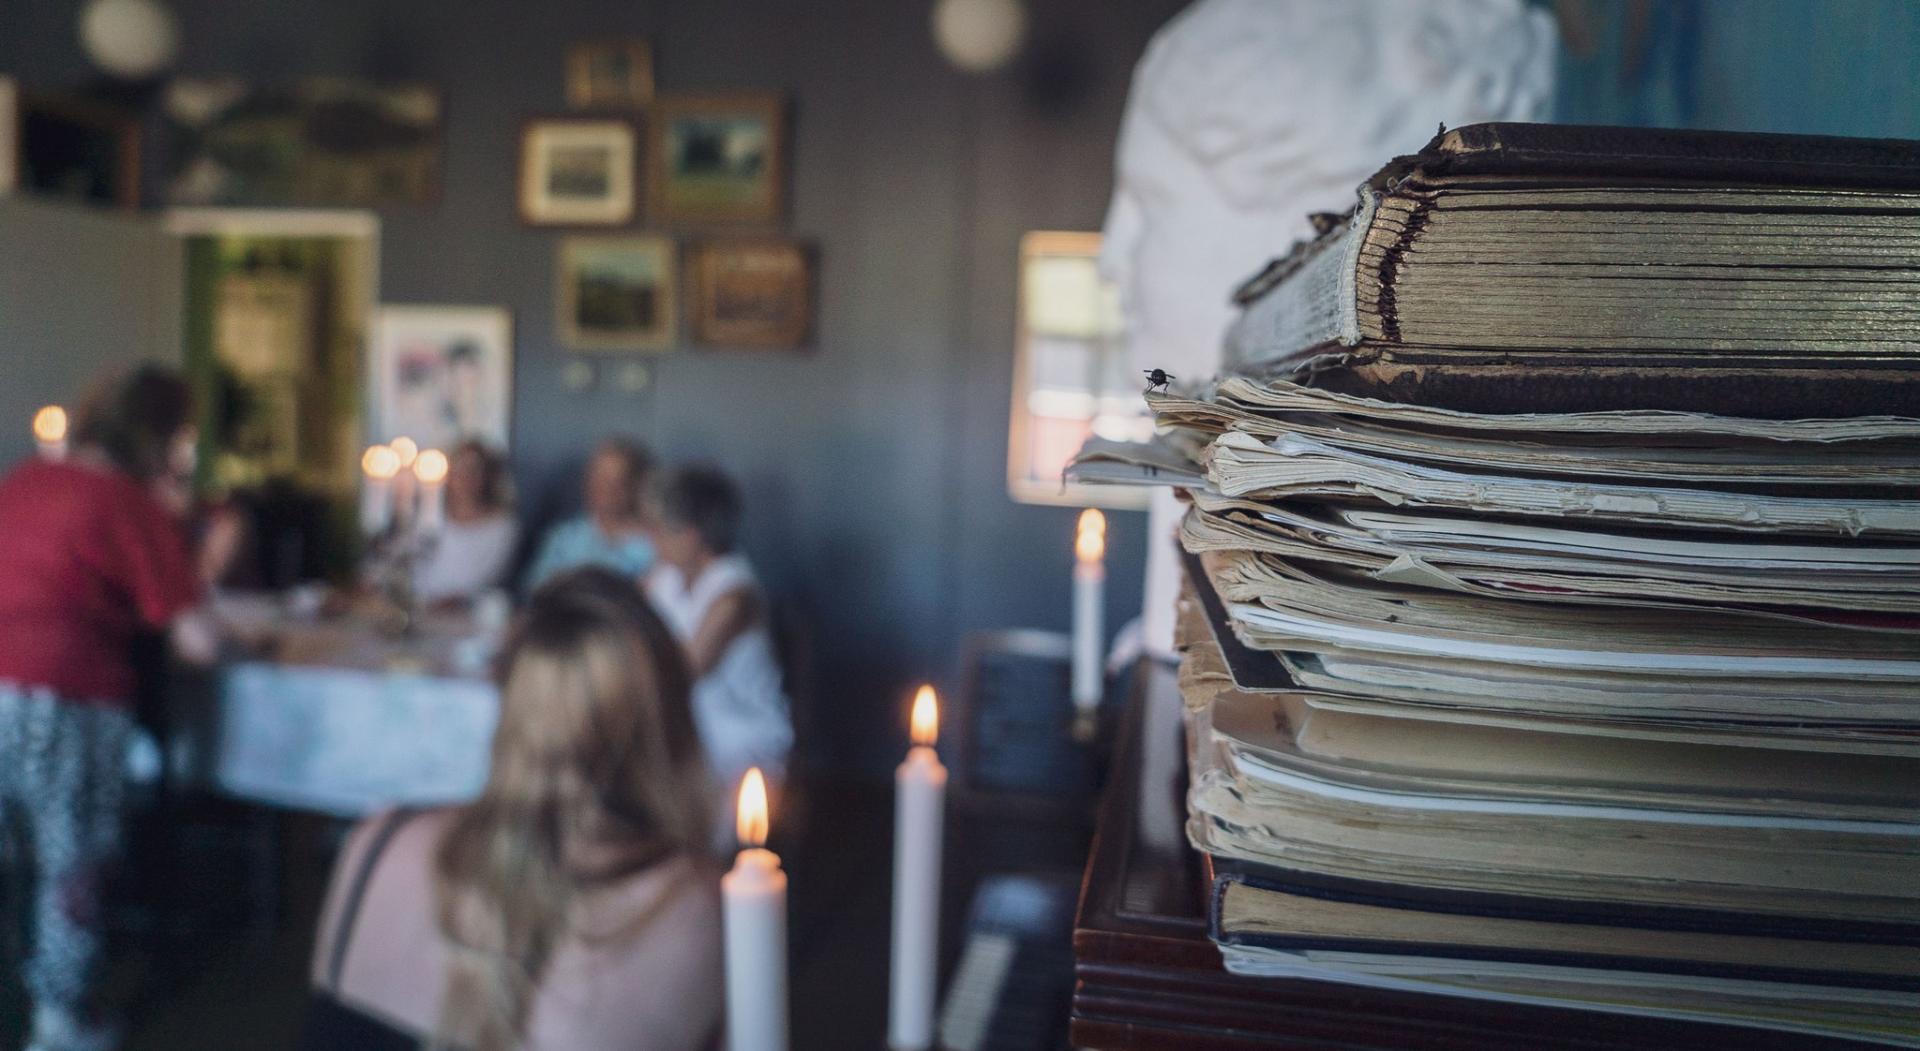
(610,533)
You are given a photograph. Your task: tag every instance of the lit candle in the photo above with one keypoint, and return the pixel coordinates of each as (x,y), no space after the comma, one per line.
(431,467)
(50,432)
(405,486)
(921,785)
(1089,633)
(379,464)
(754,919)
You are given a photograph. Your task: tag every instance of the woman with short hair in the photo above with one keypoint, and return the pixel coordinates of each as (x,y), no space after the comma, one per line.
(569,905)
(708,594)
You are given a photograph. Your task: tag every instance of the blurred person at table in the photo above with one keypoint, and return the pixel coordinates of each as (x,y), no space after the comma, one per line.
(474,546)
(568,906)
(93,559)
(610,532)
(707,593)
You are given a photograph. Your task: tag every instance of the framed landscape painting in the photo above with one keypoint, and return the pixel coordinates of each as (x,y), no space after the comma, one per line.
(579,171)
(617,293)
(751,293)
(321,142)
(442,374)
(718,158)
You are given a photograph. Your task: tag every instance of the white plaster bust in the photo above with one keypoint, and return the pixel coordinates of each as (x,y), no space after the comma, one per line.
(1245,116)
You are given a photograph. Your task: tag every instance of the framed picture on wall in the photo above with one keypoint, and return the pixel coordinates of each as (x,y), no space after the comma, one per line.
(442,374)
(612,73)
(579,171)
(617,293)
(77,149)
(750,292)
(327,142)
(718,158)
(9,135)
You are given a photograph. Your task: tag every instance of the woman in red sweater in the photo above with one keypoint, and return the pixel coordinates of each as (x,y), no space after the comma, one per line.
(92,553)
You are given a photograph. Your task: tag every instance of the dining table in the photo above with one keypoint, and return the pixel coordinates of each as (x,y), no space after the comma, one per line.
(341,708)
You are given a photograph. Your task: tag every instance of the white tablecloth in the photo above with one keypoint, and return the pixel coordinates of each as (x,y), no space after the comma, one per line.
(346,718)
(348,741)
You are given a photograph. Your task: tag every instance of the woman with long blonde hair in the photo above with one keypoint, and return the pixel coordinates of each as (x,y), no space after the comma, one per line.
(568,906)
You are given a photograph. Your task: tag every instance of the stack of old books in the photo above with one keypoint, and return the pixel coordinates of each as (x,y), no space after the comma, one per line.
(1552,632)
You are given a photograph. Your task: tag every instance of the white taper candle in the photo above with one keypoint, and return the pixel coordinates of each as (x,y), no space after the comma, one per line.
(379,464)
(919,809)
(754,919)
(50,432)
(431,468)
(1089,611)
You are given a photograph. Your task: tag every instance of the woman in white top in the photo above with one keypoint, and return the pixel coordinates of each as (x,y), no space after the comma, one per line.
(711,601)
(473,547)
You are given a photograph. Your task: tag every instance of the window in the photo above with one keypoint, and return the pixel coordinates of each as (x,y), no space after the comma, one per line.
(1071,375)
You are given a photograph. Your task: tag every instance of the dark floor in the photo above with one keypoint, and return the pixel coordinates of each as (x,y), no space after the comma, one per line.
(200,972)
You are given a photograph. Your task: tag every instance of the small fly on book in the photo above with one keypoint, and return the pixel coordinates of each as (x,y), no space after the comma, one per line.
(1157,379)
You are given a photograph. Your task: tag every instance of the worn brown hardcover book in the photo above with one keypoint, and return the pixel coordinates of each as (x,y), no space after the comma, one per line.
(1566,268)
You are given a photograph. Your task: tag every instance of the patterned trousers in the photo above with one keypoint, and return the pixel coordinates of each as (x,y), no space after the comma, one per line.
(62,778)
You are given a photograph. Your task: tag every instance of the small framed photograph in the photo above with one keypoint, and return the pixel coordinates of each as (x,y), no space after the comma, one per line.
(77,149)
(718,158)
(614,73)
(442,374)
(9,135)
(751,293)
(617,293)
(579,171)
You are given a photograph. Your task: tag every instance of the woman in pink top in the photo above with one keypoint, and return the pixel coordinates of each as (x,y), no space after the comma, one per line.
(568,906)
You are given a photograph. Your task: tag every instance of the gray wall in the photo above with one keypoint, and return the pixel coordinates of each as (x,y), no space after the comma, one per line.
(873,465)
(79,287)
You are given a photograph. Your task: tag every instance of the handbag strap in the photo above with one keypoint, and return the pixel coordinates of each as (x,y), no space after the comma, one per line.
(357,892)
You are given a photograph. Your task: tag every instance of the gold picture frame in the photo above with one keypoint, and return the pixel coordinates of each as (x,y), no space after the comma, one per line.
(579,171)
(718,158)
(9,135)
(751,292)
(610,73)
(618,293)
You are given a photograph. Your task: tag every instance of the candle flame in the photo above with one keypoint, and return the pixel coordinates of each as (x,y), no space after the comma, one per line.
(751,823)
(925,723)
(50,424)
(405,448)
(1091,544)
(380,462)
(431,466)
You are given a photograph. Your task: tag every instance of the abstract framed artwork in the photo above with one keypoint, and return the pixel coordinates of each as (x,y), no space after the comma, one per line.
(579,171)
(718,158)
(617,293)
(321,142)
(610,73)
(750,292)
(442,374)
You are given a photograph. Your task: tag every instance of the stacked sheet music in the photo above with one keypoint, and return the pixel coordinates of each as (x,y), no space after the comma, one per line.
(1615,708)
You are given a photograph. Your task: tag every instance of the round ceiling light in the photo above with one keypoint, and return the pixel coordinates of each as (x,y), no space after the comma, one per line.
(979,35)
(133,39)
